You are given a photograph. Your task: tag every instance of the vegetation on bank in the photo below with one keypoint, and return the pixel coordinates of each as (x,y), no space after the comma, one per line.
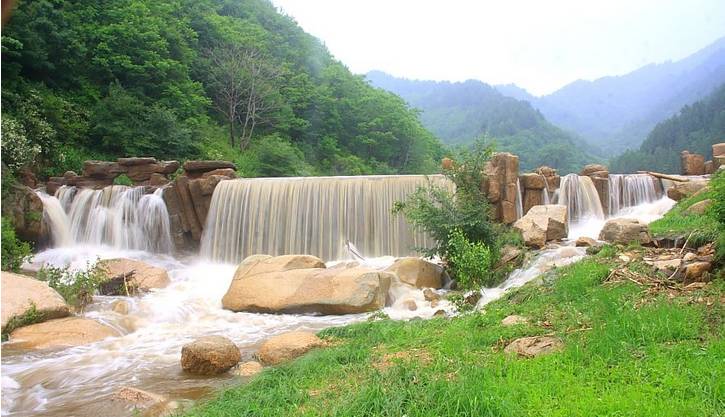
(99,80)
(14,250)
(626,352)
(76,287)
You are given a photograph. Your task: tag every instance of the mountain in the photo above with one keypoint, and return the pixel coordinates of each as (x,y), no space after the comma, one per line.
(191,79)
(620,111)
(458,113)
(695,128)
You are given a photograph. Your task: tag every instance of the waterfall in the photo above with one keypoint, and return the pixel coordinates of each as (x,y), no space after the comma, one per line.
(545,192)
(580,197)
(630,190)
(312,215)
(519,201)
(118,216)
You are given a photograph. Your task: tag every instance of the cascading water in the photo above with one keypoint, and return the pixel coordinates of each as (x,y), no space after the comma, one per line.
(312,215)
(118,216)
(630,190)
(581,198)
(545,192)
(519,201)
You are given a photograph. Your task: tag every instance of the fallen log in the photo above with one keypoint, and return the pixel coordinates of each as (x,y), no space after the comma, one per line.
(665,176)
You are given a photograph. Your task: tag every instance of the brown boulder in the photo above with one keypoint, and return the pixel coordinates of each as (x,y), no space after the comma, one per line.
(209,355)
(260,264)
(21,293)
(100,169)
(65,332)
(199,167)
(696,271)
(532,181)
(718,149)
(625,231)
(584,241)
(698,208)
(417,272)
(514,320)
(692,163)
(546,171)
(287,346)
(682,190)
(542,224)
(138,398)
(167,167)
(23,206)
(224,172)
(595,170)
(134,161)
(248,369)
(141,276)
(534,346)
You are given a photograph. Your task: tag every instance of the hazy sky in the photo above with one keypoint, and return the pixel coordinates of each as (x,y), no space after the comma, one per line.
(540,45)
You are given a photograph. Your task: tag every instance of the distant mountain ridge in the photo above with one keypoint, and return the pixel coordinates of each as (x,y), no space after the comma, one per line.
(620,111)
(459,112)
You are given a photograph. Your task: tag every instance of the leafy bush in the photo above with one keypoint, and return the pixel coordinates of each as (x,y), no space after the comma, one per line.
(76,287)
(123,179)
(17,149)
(14,250)
(30,316)
(470,263)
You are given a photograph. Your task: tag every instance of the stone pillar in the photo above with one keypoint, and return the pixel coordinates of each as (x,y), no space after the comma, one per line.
(718,156)
(600,177)
(532,186)
(692,163)
(502,174)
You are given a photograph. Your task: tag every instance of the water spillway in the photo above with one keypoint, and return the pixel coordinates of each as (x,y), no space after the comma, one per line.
(581,198)
(630,190)
(117,216)
(312,215)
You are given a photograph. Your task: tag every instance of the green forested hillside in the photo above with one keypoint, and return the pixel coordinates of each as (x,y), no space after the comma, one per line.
(184,79)
(696,128)
(458,113)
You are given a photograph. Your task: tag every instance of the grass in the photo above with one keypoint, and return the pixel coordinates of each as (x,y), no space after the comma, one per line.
(676,222)
(626,354)
(30,316)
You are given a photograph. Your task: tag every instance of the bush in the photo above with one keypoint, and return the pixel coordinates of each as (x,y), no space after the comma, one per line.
(30,316)
(470,264)
(14,250)
(76,287)
(17,149)
(123,179)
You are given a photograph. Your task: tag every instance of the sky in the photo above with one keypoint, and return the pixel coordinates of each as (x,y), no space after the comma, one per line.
(540,45)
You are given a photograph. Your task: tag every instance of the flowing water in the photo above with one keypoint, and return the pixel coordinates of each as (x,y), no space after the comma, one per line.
(312,215)
(630,190)
(519,201)
(581,198)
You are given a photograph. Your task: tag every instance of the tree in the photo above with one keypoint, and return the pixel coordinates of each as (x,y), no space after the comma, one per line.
(227,74)
(259,93)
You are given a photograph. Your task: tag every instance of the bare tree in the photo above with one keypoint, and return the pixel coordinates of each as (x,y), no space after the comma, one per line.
(227,75)
(260,92)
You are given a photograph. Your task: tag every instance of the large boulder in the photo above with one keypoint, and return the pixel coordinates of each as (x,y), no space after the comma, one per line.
(23,206)
(699,207)
(692,163)
(532,181)
(682,190)
(209,355)
(21,293)
(417,272)
(65,332)
(595,170)
(542,224)
(260,264)
(287,346)
(140,275)
(625,231)
(310,290)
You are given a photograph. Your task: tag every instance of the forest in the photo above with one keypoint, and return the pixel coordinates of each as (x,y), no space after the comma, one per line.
(202,79)
(696,128)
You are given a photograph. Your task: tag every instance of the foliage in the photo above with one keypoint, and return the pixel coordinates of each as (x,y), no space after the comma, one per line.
(17,150)
(471,264)
(700,229)
(123,179)
(30,316)
(696,128)
(439,212)
(14,250)
(76,287)
(621,353)
(137,78)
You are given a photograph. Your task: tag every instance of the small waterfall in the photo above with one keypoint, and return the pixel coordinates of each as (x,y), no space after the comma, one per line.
(312,215)
(118,216)
(630,190)
(581,198)
(519,201)
(545,192)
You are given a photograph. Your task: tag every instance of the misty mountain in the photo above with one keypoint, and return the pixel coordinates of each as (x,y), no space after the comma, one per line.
(619,111)
(460,112)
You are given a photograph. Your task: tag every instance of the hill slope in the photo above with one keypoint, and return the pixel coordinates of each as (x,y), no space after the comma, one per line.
(695,128)
(138,77)
(460,112)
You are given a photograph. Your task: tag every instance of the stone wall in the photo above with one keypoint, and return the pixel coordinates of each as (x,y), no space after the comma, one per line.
(532,186)
(502,174)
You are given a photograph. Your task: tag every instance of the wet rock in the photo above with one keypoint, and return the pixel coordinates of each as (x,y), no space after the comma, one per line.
(248,369)
(65,332)
(25,209)
(440,313)
(696,271)
(625,231)
(287,346)
(584,241)
(417,272)
(209,355)
(509,253)
(410,305)
(21,293)
(472,298)
(514,320)
(698,208)
(595,170)
(692,163)
(542,224)
(140,276)
(261,264)
(121,307)
(138,398)
(430,295)
(534,346)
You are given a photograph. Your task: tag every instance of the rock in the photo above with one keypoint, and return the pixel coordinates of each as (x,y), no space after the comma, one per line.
(689,257)
(546,171)
(584,241)
(157,180)
(718,149)
(696,271)
(222,172)
(542,224)
(596,170)
(681,190)
(145,277)
(100,169)
(261,264)
(417,272)
(624,258)
(500,184)
(138,398)
(205,166)
(135,161)
(440,313)
(698,208)
(25,209)
(27,177)
(310,290)
(209,355)
(287,346)
(167,167)
(709,167)
(248,369)
(121,307)
(692,163)
(667,264)
(514,320)
(19,293)
(534,346)
(625,231)
(430,295)
(446,163)
(532,181)
(473,298)
(65,332)
(410,305)
(508,254)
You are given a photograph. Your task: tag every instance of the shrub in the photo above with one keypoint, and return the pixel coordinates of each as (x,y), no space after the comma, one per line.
(76,287)
(14,250)
(470,263)
(30,316)
(17,148)
(123,179)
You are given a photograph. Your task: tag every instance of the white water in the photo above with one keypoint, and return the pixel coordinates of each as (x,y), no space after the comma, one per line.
(581,198)
(630,190)
(519,201)
(56,220)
